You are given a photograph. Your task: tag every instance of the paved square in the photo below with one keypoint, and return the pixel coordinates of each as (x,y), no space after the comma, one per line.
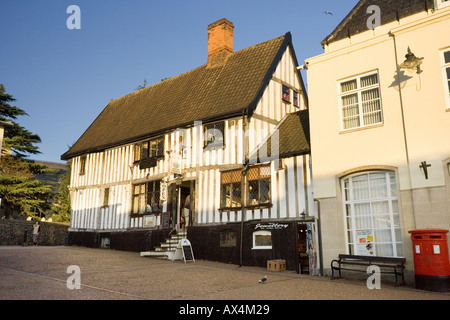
(30,273)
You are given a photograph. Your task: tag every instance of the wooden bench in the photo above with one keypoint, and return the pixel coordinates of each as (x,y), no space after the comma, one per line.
(389,265)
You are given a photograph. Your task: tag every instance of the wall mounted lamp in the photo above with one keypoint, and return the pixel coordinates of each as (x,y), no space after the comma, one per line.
(412,62)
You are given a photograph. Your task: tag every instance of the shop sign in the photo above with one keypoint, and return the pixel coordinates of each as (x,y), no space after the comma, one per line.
(163,191)
(271,226)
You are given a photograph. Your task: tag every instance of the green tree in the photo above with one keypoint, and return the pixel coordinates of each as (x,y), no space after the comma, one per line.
(19,190)
(61,206)
(17,139)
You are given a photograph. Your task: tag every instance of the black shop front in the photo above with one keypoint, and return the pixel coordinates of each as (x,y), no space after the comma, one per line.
(289,240)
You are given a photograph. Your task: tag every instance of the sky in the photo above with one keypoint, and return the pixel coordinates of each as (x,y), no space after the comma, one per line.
(63,78)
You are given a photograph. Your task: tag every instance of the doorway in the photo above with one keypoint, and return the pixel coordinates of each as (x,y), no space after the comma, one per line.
(182,204)
(302,246)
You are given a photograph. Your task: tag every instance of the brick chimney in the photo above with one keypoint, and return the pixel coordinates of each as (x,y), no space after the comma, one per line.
(220,42)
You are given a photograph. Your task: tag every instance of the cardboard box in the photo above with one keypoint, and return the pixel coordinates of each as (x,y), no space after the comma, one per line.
(276,265)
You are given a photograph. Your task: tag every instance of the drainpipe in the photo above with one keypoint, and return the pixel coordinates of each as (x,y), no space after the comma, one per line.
(243,194)
(319,235)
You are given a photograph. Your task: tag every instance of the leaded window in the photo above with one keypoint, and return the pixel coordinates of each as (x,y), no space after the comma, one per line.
(214,135)
(231,189)
(259,185)
(146,198)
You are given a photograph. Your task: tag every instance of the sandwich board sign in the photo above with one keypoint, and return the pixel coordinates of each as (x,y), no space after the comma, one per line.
(184,250)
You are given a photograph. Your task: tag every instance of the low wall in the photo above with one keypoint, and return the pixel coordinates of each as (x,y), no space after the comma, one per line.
(12,232)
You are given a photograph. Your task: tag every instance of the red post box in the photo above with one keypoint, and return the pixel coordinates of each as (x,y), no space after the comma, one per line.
(431,259)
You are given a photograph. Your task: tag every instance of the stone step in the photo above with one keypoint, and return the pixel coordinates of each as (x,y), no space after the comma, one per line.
(157,254)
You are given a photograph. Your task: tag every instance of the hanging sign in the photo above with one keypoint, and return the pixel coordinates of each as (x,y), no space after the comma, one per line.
(163,191)
(175,164)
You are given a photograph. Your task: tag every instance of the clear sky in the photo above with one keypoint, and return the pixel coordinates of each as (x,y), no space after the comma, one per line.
(64,78)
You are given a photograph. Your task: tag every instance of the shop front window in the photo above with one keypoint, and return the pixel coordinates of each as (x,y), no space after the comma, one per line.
(262,240)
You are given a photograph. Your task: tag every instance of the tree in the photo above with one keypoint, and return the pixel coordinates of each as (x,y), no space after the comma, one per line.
(19,190)
(139,87)
(17,138)
(61,206)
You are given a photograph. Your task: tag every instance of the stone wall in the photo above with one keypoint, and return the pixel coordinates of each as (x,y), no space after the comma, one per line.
(12,232)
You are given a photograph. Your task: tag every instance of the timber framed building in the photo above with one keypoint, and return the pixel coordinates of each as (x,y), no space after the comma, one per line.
(221,151)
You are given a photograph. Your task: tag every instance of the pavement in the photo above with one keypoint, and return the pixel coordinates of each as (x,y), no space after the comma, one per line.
(53,273)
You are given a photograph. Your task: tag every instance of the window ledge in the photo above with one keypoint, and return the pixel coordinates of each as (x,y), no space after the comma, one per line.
(230,208)
(259,206)
(211,147)
(140,215)
(362,128)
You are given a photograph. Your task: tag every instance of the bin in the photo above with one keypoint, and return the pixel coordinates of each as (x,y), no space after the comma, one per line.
(431,259)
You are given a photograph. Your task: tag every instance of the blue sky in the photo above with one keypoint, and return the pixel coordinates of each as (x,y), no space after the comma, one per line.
(64,78)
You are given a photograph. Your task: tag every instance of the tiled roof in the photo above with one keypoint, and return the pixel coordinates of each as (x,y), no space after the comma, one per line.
(203,94)
(292,139)
(391,10)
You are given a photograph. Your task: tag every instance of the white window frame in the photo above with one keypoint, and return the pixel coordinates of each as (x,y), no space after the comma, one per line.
(394,217)
(261,233)
(443,3)
(444,76)
(358,91)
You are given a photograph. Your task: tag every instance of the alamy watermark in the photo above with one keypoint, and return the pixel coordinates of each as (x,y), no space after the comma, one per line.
(74,20)
(374,280)
(74,280)
(374,20)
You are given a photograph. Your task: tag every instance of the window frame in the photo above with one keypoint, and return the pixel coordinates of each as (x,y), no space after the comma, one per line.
(285,93)
(263,233)
(358,91)
(231,184)
(350,223)
(83,161)
(106,194)
(228,238)
(259,179)
(443,3)
(446,77)
(143,151)
(295,99)
(210,145)
(145,197)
